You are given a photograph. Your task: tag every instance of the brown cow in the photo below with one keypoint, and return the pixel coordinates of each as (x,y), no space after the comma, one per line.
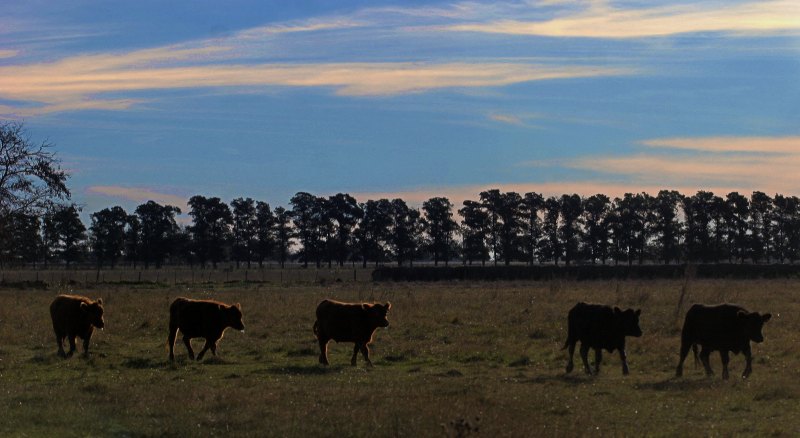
(201,319)
(75,316)
(349,322)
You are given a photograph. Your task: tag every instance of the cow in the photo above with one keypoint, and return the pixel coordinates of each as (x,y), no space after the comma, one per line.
(724,328)
(201,319)
(75,316)
(349,322)
(600,327)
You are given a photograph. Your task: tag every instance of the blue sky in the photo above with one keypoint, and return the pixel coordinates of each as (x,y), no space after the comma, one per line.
(412,99)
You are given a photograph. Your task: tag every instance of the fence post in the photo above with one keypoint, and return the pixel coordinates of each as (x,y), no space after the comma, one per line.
(140,277)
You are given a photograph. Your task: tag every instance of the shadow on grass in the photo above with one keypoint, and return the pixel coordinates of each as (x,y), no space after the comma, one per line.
(679,384)
(305,370)
(139,363)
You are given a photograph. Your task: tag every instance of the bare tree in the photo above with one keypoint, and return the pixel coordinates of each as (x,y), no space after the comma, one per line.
(31,178)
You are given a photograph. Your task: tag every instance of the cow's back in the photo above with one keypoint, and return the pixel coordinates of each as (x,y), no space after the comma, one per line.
(342,322)
(195,317)
(592,324)
(65,311)
(714,326)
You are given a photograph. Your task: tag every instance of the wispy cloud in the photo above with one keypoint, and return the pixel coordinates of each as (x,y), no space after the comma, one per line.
(139,194)
(765,163)
(8,53)
(74,82)
(788,145)
(601,20)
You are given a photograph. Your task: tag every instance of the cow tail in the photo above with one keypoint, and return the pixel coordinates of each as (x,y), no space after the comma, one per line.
(696,358)
(316,329)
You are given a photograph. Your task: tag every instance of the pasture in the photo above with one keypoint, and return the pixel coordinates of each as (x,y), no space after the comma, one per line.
(459,359)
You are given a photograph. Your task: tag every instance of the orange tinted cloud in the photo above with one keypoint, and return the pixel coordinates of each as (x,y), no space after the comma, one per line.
(139,194)
(604,21)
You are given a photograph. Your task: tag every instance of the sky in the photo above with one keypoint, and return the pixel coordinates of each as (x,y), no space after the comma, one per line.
(152,100)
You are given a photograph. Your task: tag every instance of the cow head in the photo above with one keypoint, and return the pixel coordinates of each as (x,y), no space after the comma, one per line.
(377,314)
(235,317)
(752,324)
(628,321)
(94,313)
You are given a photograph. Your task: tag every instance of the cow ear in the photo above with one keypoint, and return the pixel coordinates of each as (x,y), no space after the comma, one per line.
(84,306)
(617,310)
(766,317)
(238,306)
(638,312)
(99,301)
(388,306)
(741,314)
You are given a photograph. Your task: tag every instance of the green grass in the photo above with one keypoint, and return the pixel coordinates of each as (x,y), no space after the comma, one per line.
(457,357)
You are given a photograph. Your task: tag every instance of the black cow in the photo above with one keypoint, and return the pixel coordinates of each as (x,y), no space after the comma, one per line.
(201,319)
(349,322)
(724,328)
(75,316)
(600,327)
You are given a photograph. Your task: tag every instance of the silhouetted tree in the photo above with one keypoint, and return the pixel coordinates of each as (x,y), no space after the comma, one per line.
(158,231)
(474,229)
(283,234)
(306,215)
(65,232)
(784,227)
(666,225)
(596,234)
(492,202)
(108,235)
(373,230)
(265,237)
(210,229)
(760,230)
(550,247)
(31,178)
(570,230)
(245,230)
(697,211)
(531,225)
(406,231)
(440,226)
(23,241)
(133,239)
(345,213)
(738,216)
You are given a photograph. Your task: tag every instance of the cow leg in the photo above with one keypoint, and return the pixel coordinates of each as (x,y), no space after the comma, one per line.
(685,346)
(323,351)
(748,357)
(624,358)
(355,354)
(71,339)
(60,342)
(86,345)
(188,342)
(723,354)
(365,353)
(570,364)
(585,358)
(205,348)
(598,357)
(173,333)
(704,353)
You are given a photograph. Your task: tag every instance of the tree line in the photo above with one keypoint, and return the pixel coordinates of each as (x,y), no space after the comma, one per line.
(498,227)
(38,225)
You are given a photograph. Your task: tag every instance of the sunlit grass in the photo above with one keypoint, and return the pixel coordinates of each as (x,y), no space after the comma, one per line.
(457,356)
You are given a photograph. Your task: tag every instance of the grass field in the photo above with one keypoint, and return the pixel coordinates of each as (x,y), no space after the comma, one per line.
(457,357)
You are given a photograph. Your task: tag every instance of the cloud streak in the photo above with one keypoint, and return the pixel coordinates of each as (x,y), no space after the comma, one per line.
(79,83)
(139,194)
(604,21)
(765,163)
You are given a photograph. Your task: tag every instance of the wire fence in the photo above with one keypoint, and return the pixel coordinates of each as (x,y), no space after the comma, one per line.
(184,276)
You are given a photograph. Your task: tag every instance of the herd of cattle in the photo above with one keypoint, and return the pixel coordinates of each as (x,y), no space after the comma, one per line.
(725,328)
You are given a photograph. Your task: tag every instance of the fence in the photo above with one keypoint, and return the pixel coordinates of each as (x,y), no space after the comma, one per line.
(183,276)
